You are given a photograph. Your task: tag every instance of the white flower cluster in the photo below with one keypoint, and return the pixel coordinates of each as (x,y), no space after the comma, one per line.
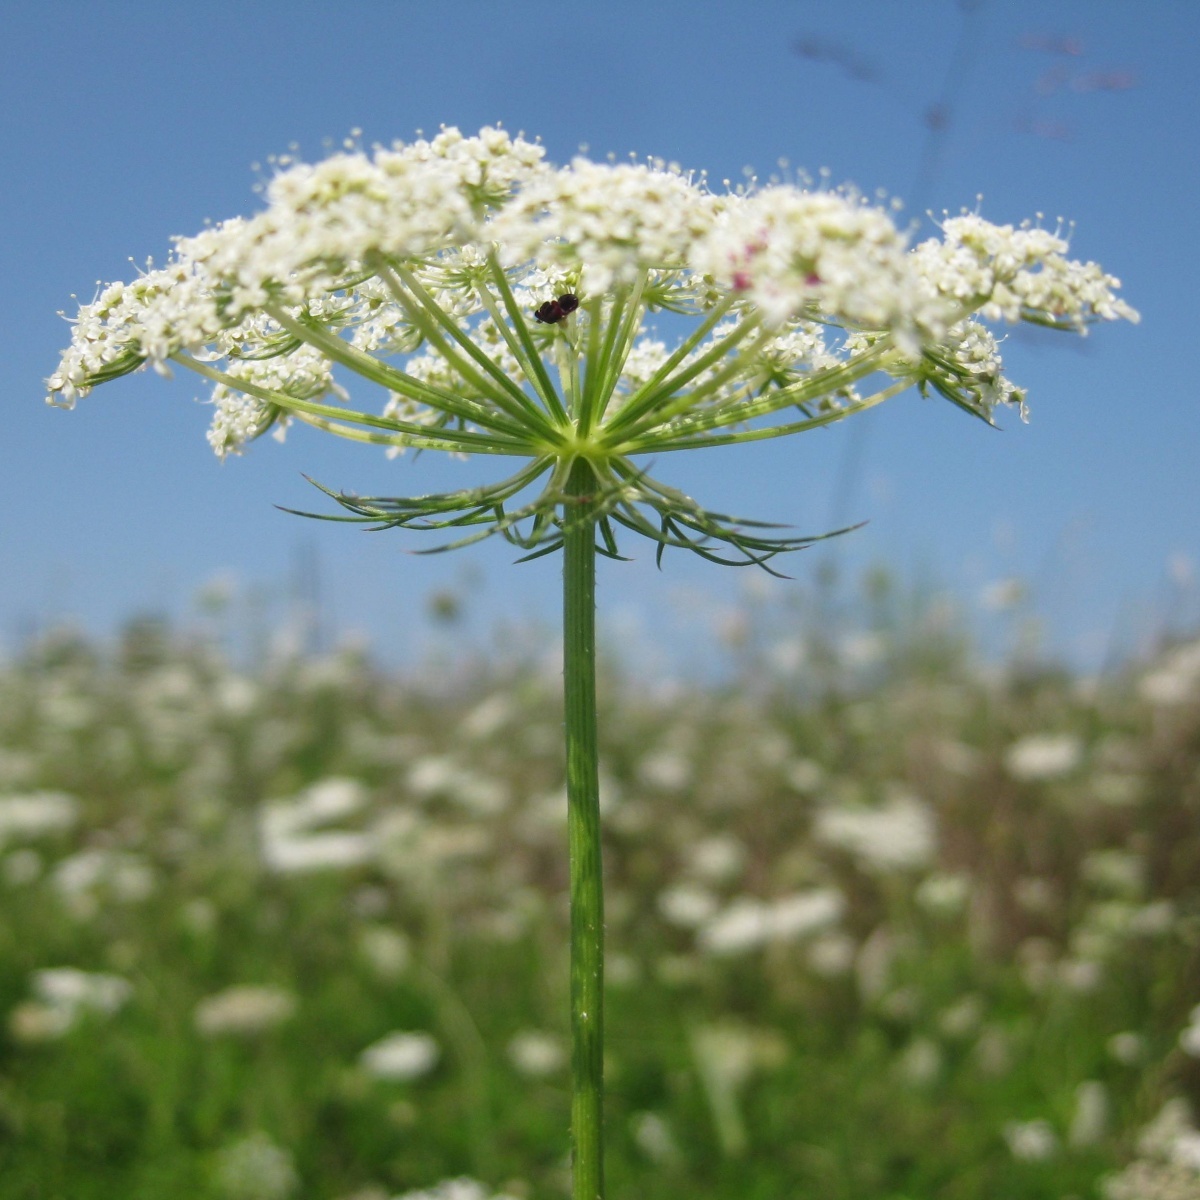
(1009,273)
(63,996)
(421,266)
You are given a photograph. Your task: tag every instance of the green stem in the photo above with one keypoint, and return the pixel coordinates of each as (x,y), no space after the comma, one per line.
(583,834)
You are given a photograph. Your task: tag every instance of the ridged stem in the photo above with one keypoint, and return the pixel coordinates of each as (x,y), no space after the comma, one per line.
(583,835)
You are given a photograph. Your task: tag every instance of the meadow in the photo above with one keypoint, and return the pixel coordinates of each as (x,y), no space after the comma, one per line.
(886,921)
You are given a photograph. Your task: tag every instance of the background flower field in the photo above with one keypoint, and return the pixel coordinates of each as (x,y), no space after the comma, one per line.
(885,920)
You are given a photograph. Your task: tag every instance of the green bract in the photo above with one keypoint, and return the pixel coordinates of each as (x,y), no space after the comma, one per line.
(419,269)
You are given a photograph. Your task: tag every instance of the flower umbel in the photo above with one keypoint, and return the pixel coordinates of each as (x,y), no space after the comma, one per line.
(502,306)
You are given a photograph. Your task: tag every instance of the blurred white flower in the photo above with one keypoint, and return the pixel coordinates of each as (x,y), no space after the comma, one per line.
(1189,1039)
(36,814)
(327,850)
(1172,1137)
(324,801)
(536,1053)
(900,835)
(1118,789)
(665,770)
(921,1062)
(804,776)
(385,949)
(236,695)
(652,1136)
(873,966)
(1043,756)
(489,716)
(832,954)
(1079,975)
(944,895)
(962,1018)
(247,1009)
(1031,1141)
(1002,595)
(255,1168)
(62,997)
(956,757)
(1118,871)
(749,924)
(68,987)
(1176,679)
(1127,1047)
(717,859)
(687,905)
(401,1056)
(994,1052)
(21,867)
(726,1056)
(33,1022)
(862,650)
(84,878)
(1035,894)
(454,1189)
(1089,1125)
(292,841)
(443,776)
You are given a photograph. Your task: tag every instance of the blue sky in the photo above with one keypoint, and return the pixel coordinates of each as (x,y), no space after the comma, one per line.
(124,123)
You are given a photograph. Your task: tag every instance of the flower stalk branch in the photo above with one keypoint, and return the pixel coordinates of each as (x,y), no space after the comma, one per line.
(583,835)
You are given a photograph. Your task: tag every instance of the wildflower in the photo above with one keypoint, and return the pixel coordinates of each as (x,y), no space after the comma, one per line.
(921,1063)
(1127,1047)
(944,895)
(455,1189)
(1117,871)
(1043,756)
(832,954)
(653,1137)
(749,924)
(244,1010)
(499,305)
(665,770)
(317,852)
(62,997)
(900,835)
(21,867)
(727,1056)
(255,1168)
(536,1054)
(401,1056)
(87,877)
(460,274)
(1031,1141)
(804,776)
(687,906)
(292,843)
(962,1018)
(1168,1165)
(386,950)
(1092,1113)
(36,814)
(1176,679)
(1189,1039)
(717,859)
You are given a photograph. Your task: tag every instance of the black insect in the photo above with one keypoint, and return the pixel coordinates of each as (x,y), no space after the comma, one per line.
(554,311)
